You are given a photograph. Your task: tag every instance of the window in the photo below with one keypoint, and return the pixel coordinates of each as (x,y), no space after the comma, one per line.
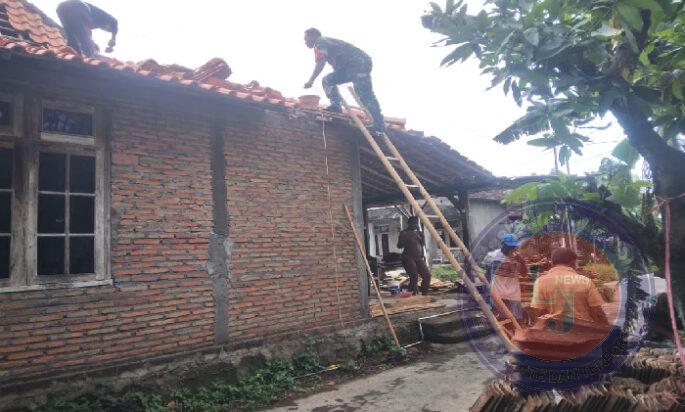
(6,167)
(53,232)
(67,124)
(64,122)
(10,115)
(66,214)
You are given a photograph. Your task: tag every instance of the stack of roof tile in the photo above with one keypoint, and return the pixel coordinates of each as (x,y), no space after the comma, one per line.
(650,381)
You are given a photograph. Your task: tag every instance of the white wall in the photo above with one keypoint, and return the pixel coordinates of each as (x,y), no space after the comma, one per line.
(481,214)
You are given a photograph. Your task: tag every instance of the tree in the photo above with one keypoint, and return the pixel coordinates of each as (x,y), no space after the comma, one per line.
(573,61)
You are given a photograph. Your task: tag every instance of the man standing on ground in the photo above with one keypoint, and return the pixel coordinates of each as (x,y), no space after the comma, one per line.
(79,19)
(411,242)
(350,64)
(504,266)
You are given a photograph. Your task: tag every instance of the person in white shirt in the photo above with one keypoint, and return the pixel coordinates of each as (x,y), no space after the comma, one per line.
(504,266)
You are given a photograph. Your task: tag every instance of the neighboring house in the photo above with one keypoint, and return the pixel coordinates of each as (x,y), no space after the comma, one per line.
(484,208)
(385,223)
(152,212)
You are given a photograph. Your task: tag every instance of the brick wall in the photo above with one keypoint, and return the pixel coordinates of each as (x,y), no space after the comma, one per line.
(283,272)
(283,275)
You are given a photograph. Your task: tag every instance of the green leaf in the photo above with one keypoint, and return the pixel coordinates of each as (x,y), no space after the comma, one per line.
(460,53)
(532,35)
(677,88)
(631,15)
(632,41)
(644,56)
(507,83)
(591,196)
(523,193)
(625,152)
(543,142)
(516,92)
(645,4)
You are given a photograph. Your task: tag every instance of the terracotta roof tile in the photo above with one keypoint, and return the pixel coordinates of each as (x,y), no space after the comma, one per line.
(26,18)
(210,77)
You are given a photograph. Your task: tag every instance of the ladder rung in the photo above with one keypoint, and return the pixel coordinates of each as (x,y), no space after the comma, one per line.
(433,216)
(393,159)
(412,186)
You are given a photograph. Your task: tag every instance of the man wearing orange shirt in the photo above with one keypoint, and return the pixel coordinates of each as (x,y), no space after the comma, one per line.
(565,295)
(567,309)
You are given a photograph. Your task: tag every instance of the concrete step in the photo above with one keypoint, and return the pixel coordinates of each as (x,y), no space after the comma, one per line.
(456,327)
(459,335)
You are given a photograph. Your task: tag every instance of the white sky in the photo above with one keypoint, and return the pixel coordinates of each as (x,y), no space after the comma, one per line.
(263,40)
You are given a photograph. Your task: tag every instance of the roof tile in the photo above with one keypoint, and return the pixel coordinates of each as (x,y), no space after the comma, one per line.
(25,17)
(210,77)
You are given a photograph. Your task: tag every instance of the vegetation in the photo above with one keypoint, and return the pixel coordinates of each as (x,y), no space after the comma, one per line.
(445,273)
(262,386)
(574,61)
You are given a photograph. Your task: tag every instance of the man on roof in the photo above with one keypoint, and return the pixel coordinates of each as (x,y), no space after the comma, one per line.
(79,19)
(350,64)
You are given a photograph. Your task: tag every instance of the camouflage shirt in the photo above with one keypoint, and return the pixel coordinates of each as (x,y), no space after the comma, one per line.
(340,54)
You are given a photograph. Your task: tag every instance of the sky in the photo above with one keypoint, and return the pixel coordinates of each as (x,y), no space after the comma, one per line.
(263,40)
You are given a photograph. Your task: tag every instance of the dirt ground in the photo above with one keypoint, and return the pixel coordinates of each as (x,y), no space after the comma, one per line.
(446,378)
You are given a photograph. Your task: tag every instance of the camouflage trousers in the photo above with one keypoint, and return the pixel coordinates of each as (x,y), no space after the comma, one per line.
(360,77)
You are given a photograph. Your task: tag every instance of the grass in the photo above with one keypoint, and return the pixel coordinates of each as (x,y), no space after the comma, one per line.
(261,387)
(445,273)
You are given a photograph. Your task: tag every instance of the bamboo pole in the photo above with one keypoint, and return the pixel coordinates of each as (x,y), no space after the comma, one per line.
(446,226)
(436,236)
(360,247)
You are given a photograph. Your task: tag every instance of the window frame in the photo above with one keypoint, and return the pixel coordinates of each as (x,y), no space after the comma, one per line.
(27,148)
(13,206)
(15,128)
(81,140)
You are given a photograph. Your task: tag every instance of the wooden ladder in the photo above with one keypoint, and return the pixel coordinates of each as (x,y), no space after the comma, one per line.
(415,183)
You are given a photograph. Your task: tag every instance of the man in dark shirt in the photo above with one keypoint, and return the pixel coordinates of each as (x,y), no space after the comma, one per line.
(412,242)
(350,64)
(79,19)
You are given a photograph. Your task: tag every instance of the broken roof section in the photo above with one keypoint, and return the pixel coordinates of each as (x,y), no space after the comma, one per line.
(29,22)
(441,168)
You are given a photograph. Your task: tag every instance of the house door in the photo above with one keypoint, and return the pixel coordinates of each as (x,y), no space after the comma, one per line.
(386,244)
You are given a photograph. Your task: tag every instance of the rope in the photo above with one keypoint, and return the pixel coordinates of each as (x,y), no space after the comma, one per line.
(666,203)
(330,214)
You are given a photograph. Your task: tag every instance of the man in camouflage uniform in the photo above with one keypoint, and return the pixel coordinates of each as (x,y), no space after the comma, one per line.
(350,64)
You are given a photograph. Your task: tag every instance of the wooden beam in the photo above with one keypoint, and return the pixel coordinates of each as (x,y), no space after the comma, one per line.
(431,180)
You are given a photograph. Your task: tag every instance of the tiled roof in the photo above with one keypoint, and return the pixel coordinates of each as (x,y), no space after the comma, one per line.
(211,77)
(26,18)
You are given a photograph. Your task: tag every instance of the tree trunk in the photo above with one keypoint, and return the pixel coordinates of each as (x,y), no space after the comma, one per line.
(668,167)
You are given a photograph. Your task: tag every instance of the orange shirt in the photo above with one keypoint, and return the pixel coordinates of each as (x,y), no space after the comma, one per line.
(562,292)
